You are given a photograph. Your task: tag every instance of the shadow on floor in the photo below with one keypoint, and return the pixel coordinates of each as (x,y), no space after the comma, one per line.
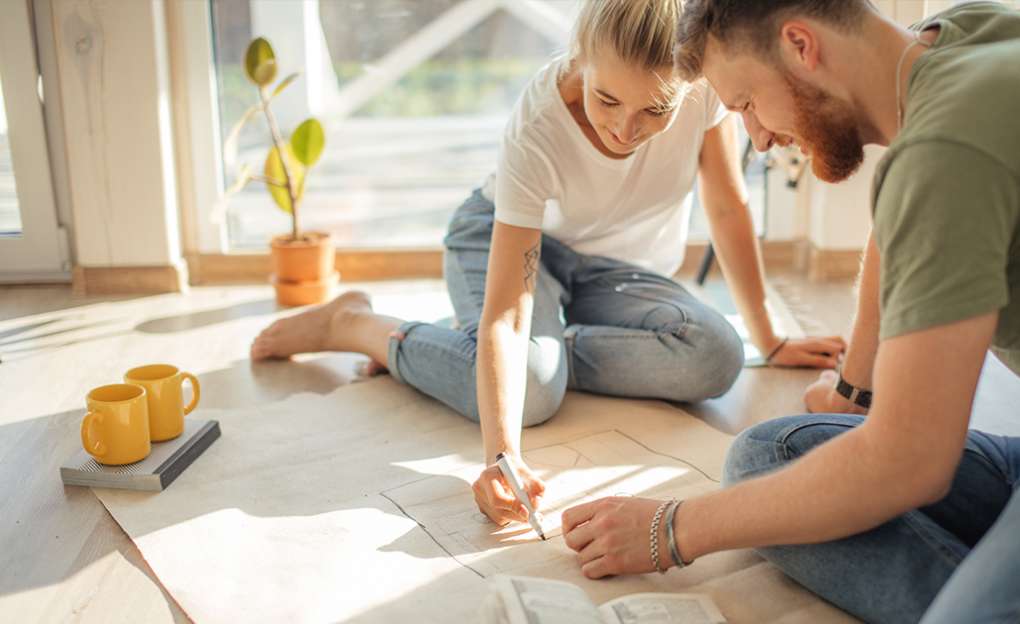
(246,383)
(59,332)
(34,300)
(14,331)
(195,320)
(50,531)
(25,352)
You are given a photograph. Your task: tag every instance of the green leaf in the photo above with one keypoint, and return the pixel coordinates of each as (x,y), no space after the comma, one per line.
(284,84)
(260,62)
(307,142)
(274,171)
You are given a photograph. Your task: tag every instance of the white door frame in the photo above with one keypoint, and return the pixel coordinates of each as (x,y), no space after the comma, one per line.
(39,253)
(197,128)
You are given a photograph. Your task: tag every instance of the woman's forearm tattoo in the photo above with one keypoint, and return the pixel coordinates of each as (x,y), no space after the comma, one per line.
(531,267)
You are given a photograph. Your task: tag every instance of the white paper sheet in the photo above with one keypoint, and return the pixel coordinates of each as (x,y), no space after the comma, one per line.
(308,510)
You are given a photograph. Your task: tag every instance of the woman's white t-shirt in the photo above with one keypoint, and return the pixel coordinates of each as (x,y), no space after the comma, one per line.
(636,209)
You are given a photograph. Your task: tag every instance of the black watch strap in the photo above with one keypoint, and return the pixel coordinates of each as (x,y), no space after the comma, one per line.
(855,395)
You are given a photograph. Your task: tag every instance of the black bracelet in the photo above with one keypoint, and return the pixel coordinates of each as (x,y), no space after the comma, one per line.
(858,396)
(781,344)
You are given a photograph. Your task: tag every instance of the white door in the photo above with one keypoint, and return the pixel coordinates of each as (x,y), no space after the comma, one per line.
(30,240)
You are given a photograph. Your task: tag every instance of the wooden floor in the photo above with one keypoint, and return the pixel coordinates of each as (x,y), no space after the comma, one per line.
(63,558)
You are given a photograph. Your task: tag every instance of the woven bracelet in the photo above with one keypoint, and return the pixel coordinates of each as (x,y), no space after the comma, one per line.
(653,534)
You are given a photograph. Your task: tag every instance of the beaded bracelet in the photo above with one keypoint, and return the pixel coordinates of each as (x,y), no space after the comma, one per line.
(653,535)
(674,552)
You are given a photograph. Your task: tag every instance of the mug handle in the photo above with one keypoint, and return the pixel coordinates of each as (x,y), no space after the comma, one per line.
(196,392)
(93,446)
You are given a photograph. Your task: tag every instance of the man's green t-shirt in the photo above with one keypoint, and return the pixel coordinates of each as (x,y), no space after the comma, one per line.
(947,193)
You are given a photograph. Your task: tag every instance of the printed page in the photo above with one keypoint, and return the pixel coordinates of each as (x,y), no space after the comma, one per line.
(662,609)
(530,600)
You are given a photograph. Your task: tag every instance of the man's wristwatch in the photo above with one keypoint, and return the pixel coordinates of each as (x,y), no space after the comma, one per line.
(857,396)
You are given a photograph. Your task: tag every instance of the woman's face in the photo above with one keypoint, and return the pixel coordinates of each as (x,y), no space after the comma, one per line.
(626,105)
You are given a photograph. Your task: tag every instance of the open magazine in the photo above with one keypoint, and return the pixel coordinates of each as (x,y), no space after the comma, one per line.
(529,600)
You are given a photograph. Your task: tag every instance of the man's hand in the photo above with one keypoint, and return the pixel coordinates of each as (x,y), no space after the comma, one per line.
(496,499)
(821,397)
(809,352)
(610,536)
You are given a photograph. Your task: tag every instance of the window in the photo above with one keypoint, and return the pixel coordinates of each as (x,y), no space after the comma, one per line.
(10,216)
(414,95)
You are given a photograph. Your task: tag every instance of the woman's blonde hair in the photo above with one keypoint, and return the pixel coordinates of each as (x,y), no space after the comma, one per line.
(642,32)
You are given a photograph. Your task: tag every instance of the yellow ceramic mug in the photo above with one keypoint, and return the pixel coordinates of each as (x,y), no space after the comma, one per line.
(115,431)
(164,385)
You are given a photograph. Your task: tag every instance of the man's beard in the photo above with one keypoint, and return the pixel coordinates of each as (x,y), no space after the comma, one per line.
(828,131)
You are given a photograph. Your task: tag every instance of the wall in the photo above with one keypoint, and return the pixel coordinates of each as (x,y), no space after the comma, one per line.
(112,75)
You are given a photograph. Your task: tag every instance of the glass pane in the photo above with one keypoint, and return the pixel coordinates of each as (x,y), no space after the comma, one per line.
(10,216)
(412,148)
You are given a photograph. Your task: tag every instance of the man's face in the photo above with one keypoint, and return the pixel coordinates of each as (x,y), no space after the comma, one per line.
(779,109)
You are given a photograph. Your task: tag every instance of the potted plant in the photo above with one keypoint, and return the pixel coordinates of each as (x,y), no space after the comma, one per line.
(302,261)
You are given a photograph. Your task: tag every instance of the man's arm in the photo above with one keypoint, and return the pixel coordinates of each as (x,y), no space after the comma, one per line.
(903,457)
(859,360)
(860,355)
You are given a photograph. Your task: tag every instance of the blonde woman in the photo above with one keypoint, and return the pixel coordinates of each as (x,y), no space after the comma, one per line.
(559,267)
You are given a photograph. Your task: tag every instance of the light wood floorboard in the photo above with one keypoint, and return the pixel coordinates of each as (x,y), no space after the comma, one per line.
(63,558)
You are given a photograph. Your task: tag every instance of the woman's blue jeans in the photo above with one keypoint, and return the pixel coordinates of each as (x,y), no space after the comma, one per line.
(953,562)
(599,325)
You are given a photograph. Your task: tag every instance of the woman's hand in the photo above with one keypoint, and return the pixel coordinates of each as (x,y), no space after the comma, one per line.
(809,352)
(610,536)
(821,397)
(496,499)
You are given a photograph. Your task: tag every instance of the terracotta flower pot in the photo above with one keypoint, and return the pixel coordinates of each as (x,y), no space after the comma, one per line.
(303,270)
(304,293)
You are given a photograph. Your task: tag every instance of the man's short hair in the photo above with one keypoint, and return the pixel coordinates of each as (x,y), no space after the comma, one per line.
(751,25)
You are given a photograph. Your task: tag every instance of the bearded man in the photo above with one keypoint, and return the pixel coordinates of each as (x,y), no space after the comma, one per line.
(905,514)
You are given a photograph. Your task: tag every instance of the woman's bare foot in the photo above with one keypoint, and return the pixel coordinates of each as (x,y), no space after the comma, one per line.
(320,329)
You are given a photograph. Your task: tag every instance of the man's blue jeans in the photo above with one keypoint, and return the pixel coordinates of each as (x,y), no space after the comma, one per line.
(956,561)
(599,325)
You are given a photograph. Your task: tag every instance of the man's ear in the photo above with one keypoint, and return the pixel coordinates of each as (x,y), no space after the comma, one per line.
(799,46)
